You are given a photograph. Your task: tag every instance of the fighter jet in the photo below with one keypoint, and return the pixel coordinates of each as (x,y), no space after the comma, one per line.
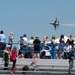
(55,23)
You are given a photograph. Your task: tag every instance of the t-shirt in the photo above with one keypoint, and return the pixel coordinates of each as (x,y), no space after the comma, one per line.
(13,55)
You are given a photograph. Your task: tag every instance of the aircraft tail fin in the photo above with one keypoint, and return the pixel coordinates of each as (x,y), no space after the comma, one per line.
(58,23)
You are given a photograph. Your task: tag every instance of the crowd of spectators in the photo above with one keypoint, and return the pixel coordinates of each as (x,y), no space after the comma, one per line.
(35,48)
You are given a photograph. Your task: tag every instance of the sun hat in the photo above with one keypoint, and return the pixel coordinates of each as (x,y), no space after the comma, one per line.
(7,45)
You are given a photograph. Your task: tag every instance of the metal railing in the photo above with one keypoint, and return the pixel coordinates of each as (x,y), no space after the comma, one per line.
(25,49)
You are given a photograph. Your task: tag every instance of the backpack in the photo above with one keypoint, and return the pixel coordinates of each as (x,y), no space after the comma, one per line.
(25,68)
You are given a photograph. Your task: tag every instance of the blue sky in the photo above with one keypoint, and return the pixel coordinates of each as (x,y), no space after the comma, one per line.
(32,17)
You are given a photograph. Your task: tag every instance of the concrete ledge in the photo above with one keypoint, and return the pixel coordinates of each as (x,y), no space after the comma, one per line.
(48,66)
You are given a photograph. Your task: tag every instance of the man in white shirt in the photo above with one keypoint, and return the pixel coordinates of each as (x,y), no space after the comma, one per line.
(25,46)
(25,40)
(2,40)
(31,47)
(30,42)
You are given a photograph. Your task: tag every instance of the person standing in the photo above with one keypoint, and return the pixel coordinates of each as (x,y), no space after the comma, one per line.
(70,40)
(31,47)
(25,41)
(36,43)
(21,43)
(71,60)
(10,39)
(14,54)
(53,48)
(25,47)
(30,43)
(45,42)
(6,56)
(2,40)
(61,47)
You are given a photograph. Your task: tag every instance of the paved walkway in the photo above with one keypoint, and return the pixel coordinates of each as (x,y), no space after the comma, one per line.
(43,67)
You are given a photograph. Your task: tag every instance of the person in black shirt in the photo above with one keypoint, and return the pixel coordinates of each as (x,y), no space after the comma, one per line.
(70,40)
(36,43)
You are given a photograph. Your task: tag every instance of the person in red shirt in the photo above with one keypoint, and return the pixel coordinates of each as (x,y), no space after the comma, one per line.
(14,54)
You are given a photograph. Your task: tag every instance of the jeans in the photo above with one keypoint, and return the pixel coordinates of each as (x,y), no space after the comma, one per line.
(71,63)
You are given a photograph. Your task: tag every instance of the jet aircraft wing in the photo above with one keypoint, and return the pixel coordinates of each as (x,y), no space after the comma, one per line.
(55,21)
